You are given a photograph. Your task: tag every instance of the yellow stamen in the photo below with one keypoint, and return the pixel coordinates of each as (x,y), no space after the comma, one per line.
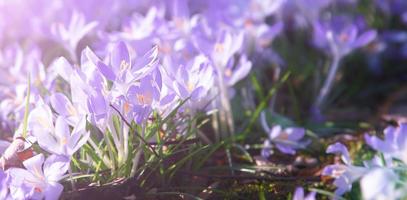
(228,72)
(344,37)
(43,122)
(126,107)
(219,48)
(64,141)
(190,87)
(124,65)
(72,110)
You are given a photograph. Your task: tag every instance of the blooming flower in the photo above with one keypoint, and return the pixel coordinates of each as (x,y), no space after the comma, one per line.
(340,37)
(377,180)
(286,140)
(40,179)
(57,139)
(394,144)
(71,34)
(345,174)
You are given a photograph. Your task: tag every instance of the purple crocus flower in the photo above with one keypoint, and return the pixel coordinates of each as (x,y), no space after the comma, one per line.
(40,179)
(193,80)
(394,144)
(70,35)
(344,174)
(140,27)
(223,49)
(57,139)
(141,98)
(299,195)
(123,70)
(375,176)
(340,37)
(286,140)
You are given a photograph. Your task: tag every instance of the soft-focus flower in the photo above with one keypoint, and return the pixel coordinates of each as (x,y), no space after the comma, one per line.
(344,174)
(286,140)
(69,35)
(340,37)
(57,139)
(40,179)
(377,179)
(194,80)
(394,144)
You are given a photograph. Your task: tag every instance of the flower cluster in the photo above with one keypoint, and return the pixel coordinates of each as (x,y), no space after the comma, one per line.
(85,70)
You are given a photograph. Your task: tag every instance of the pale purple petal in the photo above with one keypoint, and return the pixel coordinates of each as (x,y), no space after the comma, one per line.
(106,71)
(55,167)
(341,149)
(120,55)
(299,194)
(60,103)
(61,129)
(34,164)
(378,144)
(295,134)
(53,191)
(243,69)
(365,39)
(285,149)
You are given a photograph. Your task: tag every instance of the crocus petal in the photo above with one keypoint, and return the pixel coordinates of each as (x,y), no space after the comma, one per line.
(62,67)
(106,71)
(40,119)
(334,170)
(377,144)
(120,56)
(275,132)
(34,164)
(60,103)
(294,133)
(146,64)
(55,167)
(285,149)
(299,194)
(53,191)
(340,148)
(241,72)
(342,185)
(79,136)
(365,39)
(62,132)
(48,142)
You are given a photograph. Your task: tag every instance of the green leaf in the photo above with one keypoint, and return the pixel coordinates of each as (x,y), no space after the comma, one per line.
(27,108)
